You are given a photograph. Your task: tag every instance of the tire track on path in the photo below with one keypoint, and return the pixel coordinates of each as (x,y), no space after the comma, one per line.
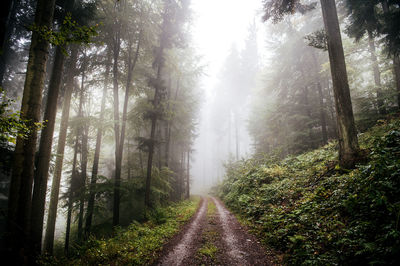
(185,245)
(241,247)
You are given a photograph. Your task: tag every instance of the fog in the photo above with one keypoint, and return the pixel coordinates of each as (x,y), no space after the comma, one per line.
(219,27)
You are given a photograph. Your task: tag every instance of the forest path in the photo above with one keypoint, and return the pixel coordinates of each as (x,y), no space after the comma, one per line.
(213,237)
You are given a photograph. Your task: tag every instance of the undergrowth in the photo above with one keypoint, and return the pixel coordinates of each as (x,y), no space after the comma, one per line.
(139,244)
(318,214)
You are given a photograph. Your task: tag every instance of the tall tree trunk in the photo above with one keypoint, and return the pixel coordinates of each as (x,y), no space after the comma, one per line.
(83,176)
(71,194)
(156,102)
(46,141)
(116,50)
(8,11)
(331,107)
(377,74)
(188,175)
(55,188)
(236,117)
(159,138)
(84,151)
(95,168)
(4,19)
(128,160)
(396,64)
(396,60)
(19,204)
(120,144)
(75,177)
(348,141)
(322,114)
(43,157)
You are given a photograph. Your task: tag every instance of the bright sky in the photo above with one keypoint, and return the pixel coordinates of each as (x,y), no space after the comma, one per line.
(217,25)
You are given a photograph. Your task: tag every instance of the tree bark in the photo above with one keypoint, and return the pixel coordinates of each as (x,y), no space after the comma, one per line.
(75,174)
(55,188)
(19,205)
(120,144)
(377,75)
(156,102)
(43,157)
(322,114)
(8,11)
(348,141)
(188,175)
(45,146)
(83,176)
(396,70)
(396,60)
(4,19)
(95,168)
(116,49)
(236,117)
(71,195)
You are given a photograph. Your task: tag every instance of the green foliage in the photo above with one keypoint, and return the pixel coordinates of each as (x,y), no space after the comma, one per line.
(139,244)
(70,32)
(11,126)
(208,250)
(317,214)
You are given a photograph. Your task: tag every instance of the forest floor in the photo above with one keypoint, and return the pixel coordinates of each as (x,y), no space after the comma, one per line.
(213,237)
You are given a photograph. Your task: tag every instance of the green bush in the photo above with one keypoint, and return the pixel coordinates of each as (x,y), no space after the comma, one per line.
(318,214)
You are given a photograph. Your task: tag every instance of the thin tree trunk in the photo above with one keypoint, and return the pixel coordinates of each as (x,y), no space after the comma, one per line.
(377,74)
(159,136)
(95,168)
(116,50)
(71,194)
(119,141)
(322,114)
(156,102)
(236,133)
(141,162)
(69,217)
(188,175)
(55,188)
(128,160)
(348,141)
(84,151)
(19,204)
(83,176)
(75,175)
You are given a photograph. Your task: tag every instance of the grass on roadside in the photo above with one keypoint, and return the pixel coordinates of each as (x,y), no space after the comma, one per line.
(139,244)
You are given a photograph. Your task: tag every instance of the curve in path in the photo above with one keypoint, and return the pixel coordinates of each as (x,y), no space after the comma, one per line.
(184,248)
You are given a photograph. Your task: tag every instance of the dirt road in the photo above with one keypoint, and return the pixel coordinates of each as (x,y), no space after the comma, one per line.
(213,237)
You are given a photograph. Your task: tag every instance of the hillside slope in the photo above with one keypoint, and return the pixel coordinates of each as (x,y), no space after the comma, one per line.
(313,212)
